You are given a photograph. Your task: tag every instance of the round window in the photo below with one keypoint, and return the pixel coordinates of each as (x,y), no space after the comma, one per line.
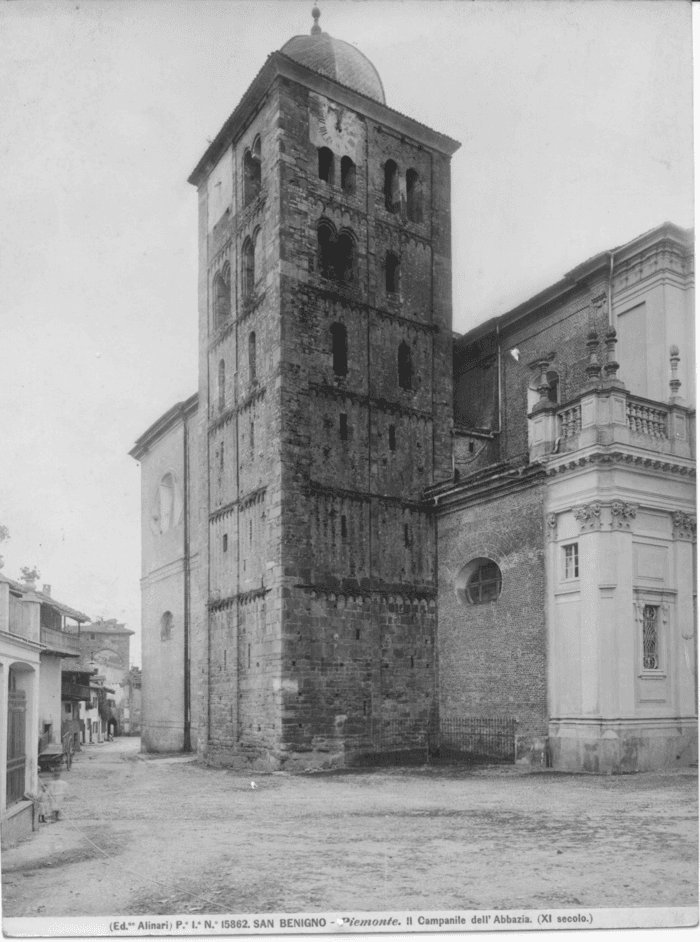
(479,582)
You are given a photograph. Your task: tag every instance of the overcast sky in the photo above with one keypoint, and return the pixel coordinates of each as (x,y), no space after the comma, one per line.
(575,123)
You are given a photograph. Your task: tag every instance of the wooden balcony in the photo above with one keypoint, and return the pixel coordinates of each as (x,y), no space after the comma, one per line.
(59,642)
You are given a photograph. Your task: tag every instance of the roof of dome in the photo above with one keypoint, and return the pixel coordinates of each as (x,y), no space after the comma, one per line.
(336,59)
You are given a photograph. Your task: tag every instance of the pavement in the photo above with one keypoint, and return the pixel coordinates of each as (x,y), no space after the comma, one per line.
(163,834)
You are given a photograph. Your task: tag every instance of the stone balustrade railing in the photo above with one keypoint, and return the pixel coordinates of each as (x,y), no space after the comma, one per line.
(646,419)
(569,420)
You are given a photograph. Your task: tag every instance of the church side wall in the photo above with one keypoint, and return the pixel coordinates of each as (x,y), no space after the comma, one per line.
(493,656)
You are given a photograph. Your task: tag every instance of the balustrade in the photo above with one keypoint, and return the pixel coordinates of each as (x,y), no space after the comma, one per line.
(570,421)
(646,419)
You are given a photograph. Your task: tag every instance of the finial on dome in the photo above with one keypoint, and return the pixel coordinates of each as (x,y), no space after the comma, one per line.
(315,29)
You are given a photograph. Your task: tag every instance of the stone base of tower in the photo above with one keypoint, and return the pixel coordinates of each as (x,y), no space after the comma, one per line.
(619,746)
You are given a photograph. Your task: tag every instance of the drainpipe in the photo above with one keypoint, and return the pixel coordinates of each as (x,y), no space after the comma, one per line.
(498,361)
(187,740)
(610,290)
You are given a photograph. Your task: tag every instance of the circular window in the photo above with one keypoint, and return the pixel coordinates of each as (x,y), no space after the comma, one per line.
(479,582)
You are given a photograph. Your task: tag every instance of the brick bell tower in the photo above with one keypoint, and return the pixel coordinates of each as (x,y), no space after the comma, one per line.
(325,411)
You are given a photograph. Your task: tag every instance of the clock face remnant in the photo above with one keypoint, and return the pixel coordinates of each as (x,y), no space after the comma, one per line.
(332,126)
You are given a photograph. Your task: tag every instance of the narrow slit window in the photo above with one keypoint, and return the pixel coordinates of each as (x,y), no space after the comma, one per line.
(405,366)
(252,364)
(347,176)
(225,541)
(339,337)
(406,535)
(250,532)
(248,268)
(221,457)
(392,273)
(343,526)
(343,427)
(252,438)
(392,438)
(325,164)
(222,384)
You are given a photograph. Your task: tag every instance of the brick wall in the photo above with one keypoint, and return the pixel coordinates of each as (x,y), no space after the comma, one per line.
(493,656)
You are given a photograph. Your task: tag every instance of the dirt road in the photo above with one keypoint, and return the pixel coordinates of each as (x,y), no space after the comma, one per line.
(149,836)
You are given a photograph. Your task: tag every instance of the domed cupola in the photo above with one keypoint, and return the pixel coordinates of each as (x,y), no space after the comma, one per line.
(336,59)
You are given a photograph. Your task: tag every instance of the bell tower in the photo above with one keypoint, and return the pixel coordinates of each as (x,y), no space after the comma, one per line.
(325,411)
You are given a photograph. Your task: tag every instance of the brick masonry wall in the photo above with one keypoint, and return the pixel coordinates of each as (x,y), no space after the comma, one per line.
(562,329)
(493,656)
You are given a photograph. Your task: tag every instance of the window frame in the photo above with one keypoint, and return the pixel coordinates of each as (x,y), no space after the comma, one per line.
(576,559)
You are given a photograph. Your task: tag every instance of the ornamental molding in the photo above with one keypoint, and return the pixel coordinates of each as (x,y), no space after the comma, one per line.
(588,516)
(684,525)
(622,515)
(552,521)
(619,457)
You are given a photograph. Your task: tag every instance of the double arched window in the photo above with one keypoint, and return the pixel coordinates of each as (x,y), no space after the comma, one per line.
(414,196)
(251,264)
(347,176)
(222,296)
(336,254)
(325,164)
(392,192)
(339,340)
(252,173)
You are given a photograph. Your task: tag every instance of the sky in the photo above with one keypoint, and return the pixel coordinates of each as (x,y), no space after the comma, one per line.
(575,120)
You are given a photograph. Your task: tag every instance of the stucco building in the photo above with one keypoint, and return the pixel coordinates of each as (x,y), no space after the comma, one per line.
(347,552)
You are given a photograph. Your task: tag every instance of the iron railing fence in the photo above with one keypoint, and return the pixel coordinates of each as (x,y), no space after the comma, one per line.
(466,738)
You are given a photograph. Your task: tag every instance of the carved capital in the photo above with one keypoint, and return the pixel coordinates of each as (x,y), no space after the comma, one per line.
(552,526)
(684,526)
(622,515)
(588,516)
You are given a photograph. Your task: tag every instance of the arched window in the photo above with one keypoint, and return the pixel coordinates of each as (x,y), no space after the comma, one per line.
(339,337)
(248,268)
(325,164)
(392,273)
(414,196)
(347,176)
(252,365)
(222,296)
(252,174)
(405,366)
(326,246)
(479,582)
(166,626)
(484,583)
(345,258)
(392,194)
(222,384)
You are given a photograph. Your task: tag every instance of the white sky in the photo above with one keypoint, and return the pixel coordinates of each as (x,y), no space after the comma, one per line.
(575,120)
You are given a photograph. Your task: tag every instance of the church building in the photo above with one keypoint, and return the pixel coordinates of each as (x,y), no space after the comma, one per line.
(348,551)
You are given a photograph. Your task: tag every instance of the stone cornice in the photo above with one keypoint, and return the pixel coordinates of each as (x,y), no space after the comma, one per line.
(643,460)
(324,390)
(418,596)
(241,503)
(316,489)
(240,598)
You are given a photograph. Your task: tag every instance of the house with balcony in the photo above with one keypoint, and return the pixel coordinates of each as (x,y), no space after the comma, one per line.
(566,537)
(34,646)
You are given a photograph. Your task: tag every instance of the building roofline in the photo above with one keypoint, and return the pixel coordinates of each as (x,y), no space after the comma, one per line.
(168,420)
(279,64)
(35,596)
(574,279)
